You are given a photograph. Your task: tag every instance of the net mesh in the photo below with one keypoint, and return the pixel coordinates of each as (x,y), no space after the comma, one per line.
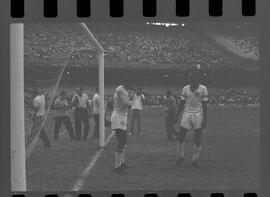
(57,56)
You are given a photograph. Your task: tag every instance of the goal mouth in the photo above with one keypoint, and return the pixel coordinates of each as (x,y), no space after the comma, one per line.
(52,52)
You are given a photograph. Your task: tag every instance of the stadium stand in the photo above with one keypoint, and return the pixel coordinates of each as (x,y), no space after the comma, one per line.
(142,45)
(139,46)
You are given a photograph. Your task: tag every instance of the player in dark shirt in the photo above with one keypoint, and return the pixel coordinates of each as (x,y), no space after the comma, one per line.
(171,114)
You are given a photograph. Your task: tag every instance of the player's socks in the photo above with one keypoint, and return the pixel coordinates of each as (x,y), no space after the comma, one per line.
(119,169)
(196,153)
(117,160)
(181,149)
(123,163)
(122,157)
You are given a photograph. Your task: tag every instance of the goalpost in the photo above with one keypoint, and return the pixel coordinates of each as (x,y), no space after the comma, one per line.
(17,139)
(101,86)
(20,148)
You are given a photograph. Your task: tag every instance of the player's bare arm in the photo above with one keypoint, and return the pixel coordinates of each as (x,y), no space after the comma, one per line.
(180,108)
(205,100)
(204,107)
(89,106)
(36,107)
(125,99)
(35,110)
(74,100)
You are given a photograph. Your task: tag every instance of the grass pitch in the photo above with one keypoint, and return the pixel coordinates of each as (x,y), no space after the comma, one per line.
(230,157)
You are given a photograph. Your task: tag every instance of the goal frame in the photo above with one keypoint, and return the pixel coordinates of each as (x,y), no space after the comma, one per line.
(100,51)
(17,124)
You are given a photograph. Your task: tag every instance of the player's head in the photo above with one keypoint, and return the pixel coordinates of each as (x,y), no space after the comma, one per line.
(194,77)
(138,90)
(168,93)
(126,84)
(36,91)
(97,90)
(79,90)
(63,94)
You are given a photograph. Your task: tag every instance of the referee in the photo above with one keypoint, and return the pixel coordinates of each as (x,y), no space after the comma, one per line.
(81,114)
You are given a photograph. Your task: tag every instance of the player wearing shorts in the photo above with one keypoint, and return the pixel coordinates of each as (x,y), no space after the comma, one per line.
(119,125)
(193,103)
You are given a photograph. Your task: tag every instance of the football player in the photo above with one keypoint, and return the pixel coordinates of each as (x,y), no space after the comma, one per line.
(193,104)
(122,104)
(171,112)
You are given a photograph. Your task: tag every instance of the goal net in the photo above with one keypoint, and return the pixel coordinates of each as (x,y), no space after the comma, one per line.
(59,56)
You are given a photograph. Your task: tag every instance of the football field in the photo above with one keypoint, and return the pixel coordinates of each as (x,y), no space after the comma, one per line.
(230,157)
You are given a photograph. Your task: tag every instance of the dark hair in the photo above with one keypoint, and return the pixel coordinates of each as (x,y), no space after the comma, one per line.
(195,74)
(63,92)
(169,92)
(80,88)
(36,91)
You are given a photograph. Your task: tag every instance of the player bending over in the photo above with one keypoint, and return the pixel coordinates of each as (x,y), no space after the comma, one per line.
(193,103)
(119,125)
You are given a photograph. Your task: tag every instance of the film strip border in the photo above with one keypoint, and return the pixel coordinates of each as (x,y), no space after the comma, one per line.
(116,8)
(143,195)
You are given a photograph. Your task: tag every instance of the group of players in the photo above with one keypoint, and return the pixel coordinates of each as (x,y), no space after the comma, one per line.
(189,113)
(81,104)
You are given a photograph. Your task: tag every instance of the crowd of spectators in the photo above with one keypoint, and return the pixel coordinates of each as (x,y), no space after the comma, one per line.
(246,45)
(158,47)
(217,97)
(53,42)
(230,97)
(140,46)
(240,38)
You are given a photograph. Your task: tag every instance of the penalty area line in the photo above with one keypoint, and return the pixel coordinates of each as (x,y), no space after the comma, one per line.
(80,182)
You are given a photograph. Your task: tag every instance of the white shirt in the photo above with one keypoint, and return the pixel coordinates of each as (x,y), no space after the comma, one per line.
(39,102)
(193,100)
(121,101)
(82,101)
(137,101)
(95,101)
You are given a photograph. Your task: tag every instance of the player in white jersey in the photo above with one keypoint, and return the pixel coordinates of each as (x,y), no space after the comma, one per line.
(39,105)
(193,104)
(136,109)
(119,125)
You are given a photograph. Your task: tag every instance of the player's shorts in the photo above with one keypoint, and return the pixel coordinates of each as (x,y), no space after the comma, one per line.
(192,120)
(118,121)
